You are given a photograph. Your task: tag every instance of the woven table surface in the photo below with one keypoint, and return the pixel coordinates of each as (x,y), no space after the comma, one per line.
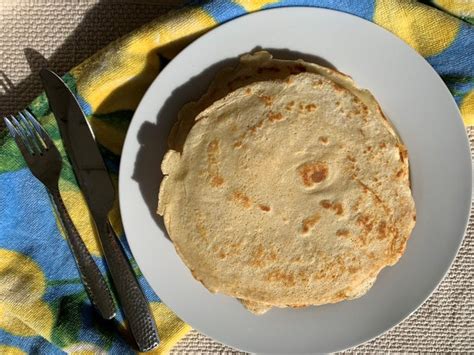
(66,32)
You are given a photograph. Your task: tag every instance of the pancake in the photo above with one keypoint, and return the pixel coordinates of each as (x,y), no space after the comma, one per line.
(288,191)
(255,67)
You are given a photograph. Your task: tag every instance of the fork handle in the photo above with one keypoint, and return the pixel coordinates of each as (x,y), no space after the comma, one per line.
(133,301)
(92,279)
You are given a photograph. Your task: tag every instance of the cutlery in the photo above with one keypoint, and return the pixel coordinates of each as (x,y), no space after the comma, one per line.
(99,193)
(44,161)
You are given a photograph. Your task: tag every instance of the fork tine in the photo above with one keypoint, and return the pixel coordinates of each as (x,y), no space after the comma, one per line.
(35,139)
(39,129)
(20,130)
(17,137)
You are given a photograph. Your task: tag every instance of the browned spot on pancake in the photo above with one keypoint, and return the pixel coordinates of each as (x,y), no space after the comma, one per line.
(242,199)
(264,207)
(318,82)
(272,256)
(286,278)
(414,217)
(238,144)
(310,222)
(289,80)
(301,107)
(311,107)
(275,116)
(268,100)
(258,254)
(248,91)
(222,255)
(353,269)
(400,173)
(403,153)
(362,239)
(313,173)
(342,232)
(337,207)
(325,203)
(324,140)
(290,105)
(355,100)
(257,257)
(256,127)
(235,248)
(365,223)
(365,109)
(268,69)
(213,147)
(382,145)
(367,150)
(338,103)
(382,230)
(213,151)
(217,180)
(351,158)
(337,87)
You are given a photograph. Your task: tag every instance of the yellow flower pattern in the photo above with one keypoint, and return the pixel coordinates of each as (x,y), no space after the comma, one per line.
(463,8)
(83,348)
(21,291)
(23,282)
(168,324)
(414,24)
(467,109)
(11,350)
(253,5)
(13,325)
(138,61)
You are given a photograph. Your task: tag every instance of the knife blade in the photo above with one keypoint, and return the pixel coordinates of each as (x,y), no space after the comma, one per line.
(96,185)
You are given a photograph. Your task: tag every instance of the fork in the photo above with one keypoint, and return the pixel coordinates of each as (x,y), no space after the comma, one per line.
(44,161)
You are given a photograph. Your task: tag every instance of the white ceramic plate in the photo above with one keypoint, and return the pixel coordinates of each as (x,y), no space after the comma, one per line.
(416,101)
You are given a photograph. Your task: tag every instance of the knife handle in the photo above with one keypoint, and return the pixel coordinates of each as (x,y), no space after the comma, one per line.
(92,279)
(133,301)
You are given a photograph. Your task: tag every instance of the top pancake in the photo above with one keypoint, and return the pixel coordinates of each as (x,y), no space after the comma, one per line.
(289,190)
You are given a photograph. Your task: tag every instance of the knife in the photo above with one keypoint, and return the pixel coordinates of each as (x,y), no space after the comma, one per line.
(99,193)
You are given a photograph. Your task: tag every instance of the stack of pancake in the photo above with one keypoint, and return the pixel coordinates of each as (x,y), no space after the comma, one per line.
(286,186)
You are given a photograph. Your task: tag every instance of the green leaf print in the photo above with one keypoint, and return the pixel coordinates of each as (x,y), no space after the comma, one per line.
(68,319)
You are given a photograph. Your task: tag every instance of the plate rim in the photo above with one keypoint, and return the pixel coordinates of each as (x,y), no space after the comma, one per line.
(232,22)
